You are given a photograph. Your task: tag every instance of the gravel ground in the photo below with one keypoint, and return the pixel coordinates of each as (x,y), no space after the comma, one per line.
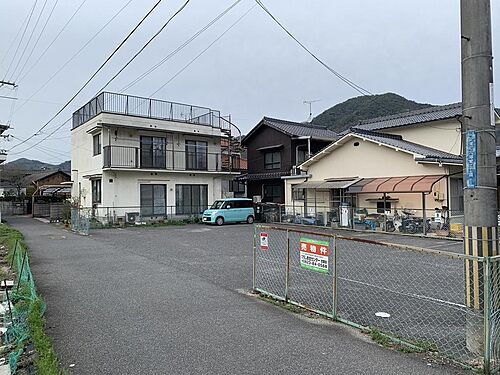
(168,300)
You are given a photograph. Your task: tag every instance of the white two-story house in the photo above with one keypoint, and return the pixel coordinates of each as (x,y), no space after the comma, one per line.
(133,155)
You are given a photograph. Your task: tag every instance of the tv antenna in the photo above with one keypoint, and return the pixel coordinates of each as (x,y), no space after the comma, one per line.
(310,102)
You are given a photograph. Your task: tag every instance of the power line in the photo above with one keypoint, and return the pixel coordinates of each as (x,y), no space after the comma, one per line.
(355,86)
(22,37)
(70,59)
(37,40)
(15,38)
(29,38)
(55,38)
(180,47)
(204,50)
(145,45)
(93,75)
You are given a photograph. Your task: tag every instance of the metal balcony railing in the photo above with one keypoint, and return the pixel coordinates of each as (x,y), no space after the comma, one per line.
(133,157)
(107,102)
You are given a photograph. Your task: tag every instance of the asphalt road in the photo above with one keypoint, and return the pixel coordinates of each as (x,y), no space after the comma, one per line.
(168,301)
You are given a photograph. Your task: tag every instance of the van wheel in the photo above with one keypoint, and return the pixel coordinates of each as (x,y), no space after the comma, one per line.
(250,219)
(219,221)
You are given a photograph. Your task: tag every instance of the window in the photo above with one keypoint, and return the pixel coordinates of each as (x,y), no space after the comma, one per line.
(272,193)
(191,199)
(153,152)
(380,207)
(96,191)
(272,160)
(97,144)
(196,155)
(301,154)
(298,194)
(236,187)
(153,200)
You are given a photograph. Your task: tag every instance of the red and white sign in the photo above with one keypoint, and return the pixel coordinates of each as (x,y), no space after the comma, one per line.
(264,241)
(314,254)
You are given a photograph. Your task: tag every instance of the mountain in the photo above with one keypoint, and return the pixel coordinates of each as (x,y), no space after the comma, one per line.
(339,117)
(35,165)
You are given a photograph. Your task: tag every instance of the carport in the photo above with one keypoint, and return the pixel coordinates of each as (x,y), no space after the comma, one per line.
(422,185)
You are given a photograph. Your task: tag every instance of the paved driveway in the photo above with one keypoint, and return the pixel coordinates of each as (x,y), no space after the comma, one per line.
(166,301)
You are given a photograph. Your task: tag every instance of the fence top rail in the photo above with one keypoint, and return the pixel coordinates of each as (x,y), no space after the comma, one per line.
(395,246)
(287,228)
(418,249)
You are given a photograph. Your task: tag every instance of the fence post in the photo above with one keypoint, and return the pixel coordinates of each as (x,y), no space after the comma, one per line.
(8,300)
(21,272)
(254,259)
(13,255)
(487,315)
(287,274)
(334,279)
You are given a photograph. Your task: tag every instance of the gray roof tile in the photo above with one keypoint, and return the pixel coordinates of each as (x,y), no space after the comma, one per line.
(300,129)
(434,113)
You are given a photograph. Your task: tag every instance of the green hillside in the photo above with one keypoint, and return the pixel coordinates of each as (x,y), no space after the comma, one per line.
(339,117)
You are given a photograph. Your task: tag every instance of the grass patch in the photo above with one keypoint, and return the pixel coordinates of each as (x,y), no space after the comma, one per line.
(46,361)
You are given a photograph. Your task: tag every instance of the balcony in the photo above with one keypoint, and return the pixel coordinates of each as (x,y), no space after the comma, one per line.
(107,102)
(124,157)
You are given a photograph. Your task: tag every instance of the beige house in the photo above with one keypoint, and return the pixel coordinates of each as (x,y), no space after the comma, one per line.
(411,162)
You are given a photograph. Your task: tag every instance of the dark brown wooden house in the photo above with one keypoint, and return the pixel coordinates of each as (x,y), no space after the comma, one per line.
(275,147)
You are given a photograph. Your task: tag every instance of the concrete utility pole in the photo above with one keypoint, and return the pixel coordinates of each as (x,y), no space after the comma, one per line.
(480,180)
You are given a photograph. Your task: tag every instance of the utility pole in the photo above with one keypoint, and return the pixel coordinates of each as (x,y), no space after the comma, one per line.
(480,180)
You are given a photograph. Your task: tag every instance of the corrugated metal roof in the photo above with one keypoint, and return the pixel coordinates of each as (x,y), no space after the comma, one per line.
(300,129)
(433,113)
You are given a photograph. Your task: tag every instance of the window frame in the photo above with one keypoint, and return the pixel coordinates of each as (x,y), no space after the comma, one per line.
(96,188)
(97,150)
(201,194)
(200,150)
(157,156)
(152,208)
(273,164)
(272,196)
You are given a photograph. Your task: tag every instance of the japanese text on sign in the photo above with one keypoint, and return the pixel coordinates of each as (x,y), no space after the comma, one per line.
(314,254)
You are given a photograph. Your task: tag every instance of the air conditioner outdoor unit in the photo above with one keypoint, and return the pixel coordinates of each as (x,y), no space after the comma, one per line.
(257,198)
(132,217)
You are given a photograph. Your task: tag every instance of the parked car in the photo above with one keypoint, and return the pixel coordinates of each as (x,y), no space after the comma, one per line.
(233,210)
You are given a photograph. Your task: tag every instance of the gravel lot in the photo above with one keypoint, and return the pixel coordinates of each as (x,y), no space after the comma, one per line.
(168,300)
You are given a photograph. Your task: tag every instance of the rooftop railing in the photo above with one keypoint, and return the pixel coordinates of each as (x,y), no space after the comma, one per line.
(107,102)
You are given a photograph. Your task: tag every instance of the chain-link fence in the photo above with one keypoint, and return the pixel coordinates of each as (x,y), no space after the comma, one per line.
(409,220)
(80,220)
(425,299)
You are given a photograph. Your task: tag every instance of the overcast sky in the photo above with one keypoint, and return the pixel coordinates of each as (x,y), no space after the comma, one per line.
(408,47)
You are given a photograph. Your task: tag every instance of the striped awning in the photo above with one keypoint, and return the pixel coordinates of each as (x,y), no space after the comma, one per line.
(406,184)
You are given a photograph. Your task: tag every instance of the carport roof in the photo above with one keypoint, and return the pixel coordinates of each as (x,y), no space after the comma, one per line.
(403,184)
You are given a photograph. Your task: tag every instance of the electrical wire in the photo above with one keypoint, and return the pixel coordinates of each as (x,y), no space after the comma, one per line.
(70,59)
(353,85)
(37,40)
(203,51)
(14,40)
(93,75)
(145,45)
(180,47)
(29,39)
(20,40)
(55,38)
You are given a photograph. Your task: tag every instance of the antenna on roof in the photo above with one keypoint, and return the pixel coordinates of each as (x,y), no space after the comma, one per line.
(310,102)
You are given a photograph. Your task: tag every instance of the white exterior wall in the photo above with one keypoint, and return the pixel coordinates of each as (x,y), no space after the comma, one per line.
(124,190)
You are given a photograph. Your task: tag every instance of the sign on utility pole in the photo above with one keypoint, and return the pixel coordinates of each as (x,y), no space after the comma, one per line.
(480,180)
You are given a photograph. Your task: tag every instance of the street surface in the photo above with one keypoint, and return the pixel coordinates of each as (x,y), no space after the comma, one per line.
(169,300)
